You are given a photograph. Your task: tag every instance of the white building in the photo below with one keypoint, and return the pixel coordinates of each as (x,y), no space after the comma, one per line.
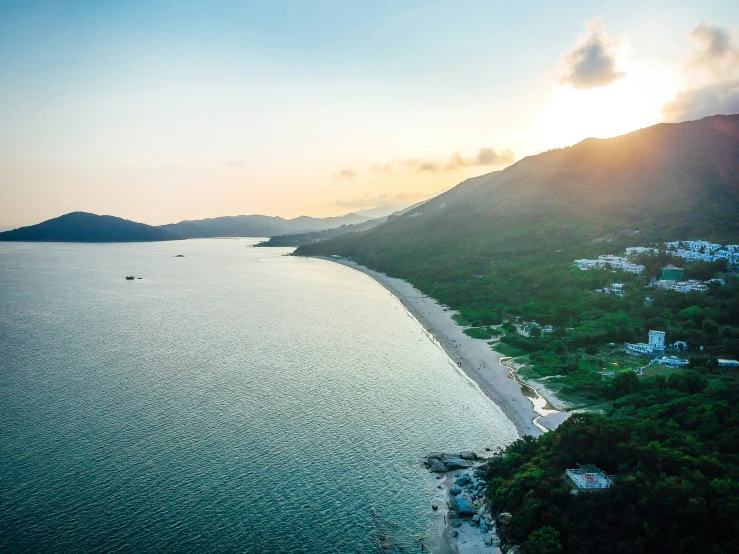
(655,347)
(673,361)
(657,340)
(728,363)
(631,250)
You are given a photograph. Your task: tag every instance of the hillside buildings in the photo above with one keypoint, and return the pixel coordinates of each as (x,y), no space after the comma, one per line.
(655,346)
(606,261)
(701,250)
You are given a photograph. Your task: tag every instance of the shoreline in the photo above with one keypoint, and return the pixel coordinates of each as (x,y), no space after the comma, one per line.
(474,357)
(522,403)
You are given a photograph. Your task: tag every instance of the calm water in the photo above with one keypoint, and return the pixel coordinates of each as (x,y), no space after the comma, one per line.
(235,400)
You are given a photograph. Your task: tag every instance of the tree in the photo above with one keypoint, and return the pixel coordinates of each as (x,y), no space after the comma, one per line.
(543,541)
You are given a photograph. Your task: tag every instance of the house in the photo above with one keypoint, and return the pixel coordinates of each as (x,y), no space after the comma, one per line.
(655,347)
(657,340)
(673,361)
(589,477)
(728,363)
(640,250)
(615,262)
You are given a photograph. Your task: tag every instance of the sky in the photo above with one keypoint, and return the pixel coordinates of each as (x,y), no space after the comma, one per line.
(161,111)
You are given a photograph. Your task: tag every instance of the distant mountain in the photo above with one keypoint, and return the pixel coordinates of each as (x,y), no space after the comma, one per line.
(86,227)
(300,239)
(257,226)
(669,181)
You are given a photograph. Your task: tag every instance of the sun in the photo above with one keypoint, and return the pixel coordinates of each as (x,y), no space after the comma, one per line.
(635,101)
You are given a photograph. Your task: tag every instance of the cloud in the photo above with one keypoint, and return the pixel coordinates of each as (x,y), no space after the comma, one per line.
(715,43)
(369,200)
(720,98)
(713,68)
(344,174)
(592,63)
(485,157)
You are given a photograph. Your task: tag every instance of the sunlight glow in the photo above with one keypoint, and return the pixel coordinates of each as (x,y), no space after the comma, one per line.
(634,102)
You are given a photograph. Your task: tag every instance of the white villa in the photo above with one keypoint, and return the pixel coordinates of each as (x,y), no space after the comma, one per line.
(673,361)
(655,347)
(616,262)
(687,286)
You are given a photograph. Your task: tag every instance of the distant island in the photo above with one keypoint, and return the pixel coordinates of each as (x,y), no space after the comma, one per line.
(87,227)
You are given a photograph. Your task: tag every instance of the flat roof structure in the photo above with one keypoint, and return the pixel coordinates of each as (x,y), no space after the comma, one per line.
(589,477)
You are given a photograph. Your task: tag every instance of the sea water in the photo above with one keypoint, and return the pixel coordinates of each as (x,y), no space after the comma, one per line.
(235,399)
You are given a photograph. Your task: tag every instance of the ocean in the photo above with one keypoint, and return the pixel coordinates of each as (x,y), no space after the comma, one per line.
(235,399)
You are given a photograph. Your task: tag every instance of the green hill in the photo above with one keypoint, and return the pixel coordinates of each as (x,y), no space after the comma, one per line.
(86,227)
(511,228)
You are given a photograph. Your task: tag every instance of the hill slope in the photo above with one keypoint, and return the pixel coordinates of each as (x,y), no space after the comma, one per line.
(667,181)
(257,226)
(86,227)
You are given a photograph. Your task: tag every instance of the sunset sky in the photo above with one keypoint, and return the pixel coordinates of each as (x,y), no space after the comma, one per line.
(160,111)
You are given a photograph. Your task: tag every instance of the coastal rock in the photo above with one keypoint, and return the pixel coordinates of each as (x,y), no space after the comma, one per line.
(434,507)
(464,480)
(455,533)
(514,550)
(463,505)
(454,462)
(437,466)
(476,518)
(454,491)
(484,526)
(468,455)
(505,518)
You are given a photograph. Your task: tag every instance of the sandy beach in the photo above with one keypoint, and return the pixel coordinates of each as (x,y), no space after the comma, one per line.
(473,356)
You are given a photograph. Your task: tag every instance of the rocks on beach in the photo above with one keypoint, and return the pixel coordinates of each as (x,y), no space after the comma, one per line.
(467,504)
(440,462)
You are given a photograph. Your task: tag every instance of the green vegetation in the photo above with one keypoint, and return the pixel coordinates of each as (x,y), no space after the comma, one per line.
(673,445)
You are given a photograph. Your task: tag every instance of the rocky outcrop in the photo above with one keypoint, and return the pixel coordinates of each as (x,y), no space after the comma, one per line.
(440,462)
(463,505)
(436,465)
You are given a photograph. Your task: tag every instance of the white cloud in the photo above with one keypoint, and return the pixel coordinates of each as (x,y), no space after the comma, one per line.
(592,62)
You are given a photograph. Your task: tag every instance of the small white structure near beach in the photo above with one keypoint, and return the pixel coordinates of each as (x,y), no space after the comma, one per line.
(589,477)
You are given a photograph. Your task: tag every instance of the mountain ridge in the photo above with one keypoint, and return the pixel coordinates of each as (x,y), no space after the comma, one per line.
(672,180)
(88,227)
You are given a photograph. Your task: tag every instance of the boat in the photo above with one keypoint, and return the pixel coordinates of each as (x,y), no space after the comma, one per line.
(130,277)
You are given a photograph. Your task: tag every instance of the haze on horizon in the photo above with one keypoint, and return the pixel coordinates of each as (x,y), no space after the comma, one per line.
(159,112)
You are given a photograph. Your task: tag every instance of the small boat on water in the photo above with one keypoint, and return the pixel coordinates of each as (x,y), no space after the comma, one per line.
(130,277)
